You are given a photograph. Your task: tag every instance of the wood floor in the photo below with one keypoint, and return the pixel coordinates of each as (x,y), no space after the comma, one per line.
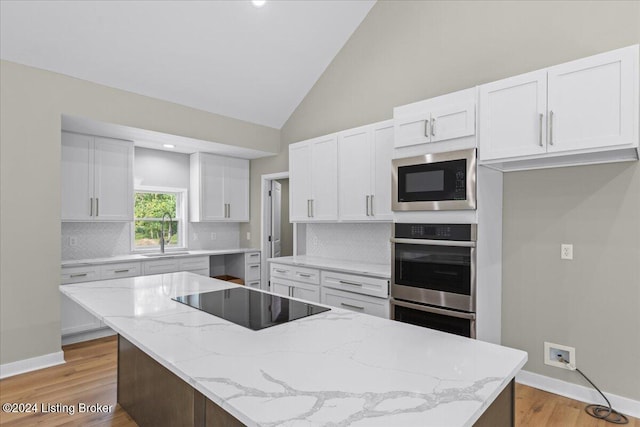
(89,376)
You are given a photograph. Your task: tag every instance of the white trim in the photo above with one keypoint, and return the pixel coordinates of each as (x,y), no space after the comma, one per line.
(621,404)
(264,235)
(31,364)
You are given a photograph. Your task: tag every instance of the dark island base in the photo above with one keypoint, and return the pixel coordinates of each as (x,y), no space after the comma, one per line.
(154,396)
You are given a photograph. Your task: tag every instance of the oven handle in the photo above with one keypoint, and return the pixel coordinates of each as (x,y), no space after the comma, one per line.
(435,310)
(427,242)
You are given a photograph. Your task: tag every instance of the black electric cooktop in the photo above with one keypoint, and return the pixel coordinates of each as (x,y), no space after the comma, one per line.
(250,308)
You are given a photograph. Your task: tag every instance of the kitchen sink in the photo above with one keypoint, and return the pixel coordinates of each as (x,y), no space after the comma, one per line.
(166,254)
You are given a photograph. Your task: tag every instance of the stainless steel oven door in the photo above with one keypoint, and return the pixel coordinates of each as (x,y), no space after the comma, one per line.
(433,182)
(440,319)
(436,272)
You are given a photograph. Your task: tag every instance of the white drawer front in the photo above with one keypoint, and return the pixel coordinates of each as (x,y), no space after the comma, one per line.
(251,257)
(124,269)
(193,263)
(352,283)
(307,275)
(160,266)
(252,272)
(295,289)
(356,302)
(85,273)
(201,272)
(282,271)
(253,284)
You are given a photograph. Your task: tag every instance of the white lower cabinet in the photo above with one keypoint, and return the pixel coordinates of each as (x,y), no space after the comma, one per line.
(125,269)
(291,288)
(196,265)
(166,265)
(355,302)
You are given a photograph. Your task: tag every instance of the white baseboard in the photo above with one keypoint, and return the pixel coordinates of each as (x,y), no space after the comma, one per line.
(577,392)
(32,364)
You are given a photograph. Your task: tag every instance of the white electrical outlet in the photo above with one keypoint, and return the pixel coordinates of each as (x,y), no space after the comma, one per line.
(213,236)
(566,251)
(553,353)
(73,241)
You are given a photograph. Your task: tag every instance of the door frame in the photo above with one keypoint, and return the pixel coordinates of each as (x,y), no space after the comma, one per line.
(265,214)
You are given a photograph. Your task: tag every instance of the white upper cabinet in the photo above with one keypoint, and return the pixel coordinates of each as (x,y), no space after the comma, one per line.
(443,118)
(581,112)
(313,172)
(96,179)
(365,172)
(219,188)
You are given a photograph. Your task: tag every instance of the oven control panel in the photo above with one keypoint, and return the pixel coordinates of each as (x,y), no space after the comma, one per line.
(458,232)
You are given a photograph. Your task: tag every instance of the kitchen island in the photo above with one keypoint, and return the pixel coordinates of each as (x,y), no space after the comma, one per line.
(337,367)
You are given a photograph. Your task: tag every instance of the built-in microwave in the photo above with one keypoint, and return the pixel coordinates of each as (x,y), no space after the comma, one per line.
(433,182)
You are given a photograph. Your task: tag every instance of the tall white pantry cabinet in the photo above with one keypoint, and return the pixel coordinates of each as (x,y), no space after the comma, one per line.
(96,178)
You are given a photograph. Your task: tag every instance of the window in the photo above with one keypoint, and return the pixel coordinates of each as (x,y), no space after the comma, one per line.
(150,204)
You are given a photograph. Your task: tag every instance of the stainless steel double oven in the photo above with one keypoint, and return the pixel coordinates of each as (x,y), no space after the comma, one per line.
(434,276)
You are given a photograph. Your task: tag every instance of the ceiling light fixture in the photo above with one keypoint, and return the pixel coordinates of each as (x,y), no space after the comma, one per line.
(258,3)
(168,146)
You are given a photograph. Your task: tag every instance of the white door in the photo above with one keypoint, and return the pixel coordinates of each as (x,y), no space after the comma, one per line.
(276,217)
(412,129)
(591,101)
(77,177)
(355,162)
(381,176)
(113,180)
(324,179)
(236,189)
(212,187)
(454,121)
(299,182)
(512,117)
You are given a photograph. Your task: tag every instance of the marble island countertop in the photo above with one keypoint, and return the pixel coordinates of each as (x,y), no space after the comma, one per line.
(141,257)
(366,268)
(336,367)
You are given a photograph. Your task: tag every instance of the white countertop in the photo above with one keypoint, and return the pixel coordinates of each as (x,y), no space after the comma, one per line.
(369,269)
(141,257)
(334,367)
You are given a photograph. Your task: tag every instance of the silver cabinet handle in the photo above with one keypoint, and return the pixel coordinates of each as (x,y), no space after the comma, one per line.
(367,204)
(308,208)
(290,291)
(79,275)
(426,242)
(433,127)
(304,275)
(344,282)
(426,128)
(313,208)
(97,206)
(254,266)
(256,254)
(91,206)
(541,118)
(122,271)
(371,208)
(551,127)
(352,306)
(229,210)
(280,271)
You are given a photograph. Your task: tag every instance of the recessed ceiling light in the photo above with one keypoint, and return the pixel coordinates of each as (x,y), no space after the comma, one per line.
(258,3)
(168,146)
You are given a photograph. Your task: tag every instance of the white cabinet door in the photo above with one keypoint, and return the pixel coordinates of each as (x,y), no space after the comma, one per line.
(324,179)
(280,288)
(307,293)
(212,187)
(512,116)
(75,319)
(412,129)
(381,171)
(299,182)
(77,177)
(355,163)
(113,180)
(591,101)
(455,121)
(236,189)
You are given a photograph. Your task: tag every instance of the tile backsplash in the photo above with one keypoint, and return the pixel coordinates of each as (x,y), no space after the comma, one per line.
(352,242)
(106,239)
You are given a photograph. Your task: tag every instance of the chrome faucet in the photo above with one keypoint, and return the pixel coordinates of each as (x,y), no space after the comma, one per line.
(162,240)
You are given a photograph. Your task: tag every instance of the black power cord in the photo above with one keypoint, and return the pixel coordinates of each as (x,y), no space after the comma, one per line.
(600,412)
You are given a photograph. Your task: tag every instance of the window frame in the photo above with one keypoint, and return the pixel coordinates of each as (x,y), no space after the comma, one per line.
(181,210)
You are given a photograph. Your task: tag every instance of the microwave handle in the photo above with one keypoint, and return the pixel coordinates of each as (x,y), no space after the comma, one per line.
(435,310)
(427,242)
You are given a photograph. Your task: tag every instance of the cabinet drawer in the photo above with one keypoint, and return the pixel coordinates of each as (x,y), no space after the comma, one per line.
(356,302)
(307,275)
(353,283)
(282,271)
(85,273)
(193,263)
(252,272)
(251,257)
(160,266)
(253,284)
(124,269)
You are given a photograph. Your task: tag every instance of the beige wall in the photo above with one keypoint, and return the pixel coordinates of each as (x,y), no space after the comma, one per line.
(408,51)
(31,104)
